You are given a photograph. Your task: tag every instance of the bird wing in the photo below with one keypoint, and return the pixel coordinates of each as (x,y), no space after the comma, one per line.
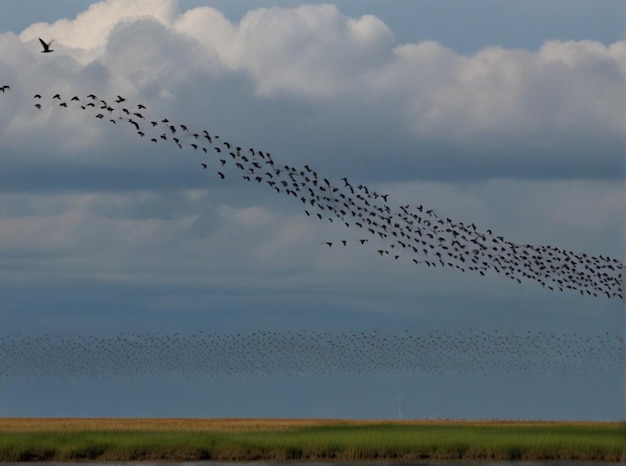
(44,45)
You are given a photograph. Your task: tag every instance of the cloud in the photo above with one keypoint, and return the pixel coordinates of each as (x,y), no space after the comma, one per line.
(309,51)
(90,29)
(314,85)
(311,85)
(102,229)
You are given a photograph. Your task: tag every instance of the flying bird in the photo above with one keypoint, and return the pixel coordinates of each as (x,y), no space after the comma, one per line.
(444,242)
(46,47)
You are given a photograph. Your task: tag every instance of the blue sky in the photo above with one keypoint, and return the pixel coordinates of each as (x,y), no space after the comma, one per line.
(508,115)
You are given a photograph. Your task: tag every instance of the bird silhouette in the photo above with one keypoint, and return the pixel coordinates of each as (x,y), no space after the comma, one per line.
(46,46)
(306,351)
(418,233)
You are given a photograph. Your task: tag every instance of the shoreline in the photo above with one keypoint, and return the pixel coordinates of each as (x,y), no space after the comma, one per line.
(305,440)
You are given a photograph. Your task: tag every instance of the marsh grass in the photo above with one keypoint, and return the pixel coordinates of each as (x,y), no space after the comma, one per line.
(282,440)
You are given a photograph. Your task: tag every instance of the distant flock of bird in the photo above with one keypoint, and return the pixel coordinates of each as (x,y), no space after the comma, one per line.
(267,353)
(407,231)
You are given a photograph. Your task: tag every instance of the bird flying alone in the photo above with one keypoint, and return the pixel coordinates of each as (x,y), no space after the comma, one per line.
(46,46)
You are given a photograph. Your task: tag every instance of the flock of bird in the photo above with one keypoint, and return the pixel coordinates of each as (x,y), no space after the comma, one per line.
(410,232)
(308,352)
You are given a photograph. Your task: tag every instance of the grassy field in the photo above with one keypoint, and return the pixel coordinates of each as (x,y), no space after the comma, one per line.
(311,439)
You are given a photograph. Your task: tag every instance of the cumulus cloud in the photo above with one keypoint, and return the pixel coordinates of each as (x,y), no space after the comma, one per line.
(314,51)
(312,86)
(286,79)
(91,28)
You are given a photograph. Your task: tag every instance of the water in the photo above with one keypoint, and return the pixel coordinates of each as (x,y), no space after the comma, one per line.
(372,463)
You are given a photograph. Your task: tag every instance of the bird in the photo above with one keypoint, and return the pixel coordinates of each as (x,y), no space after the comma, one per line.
(463,247)
(228,354)
(6,87)
(46,46)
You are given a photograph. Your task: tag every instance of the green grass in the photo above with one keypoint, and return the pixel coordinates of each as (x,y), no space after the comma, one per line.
(384,441)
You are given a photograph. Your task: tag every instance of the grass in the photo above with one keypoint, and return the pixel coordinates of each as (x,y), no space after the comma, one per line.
(319,440)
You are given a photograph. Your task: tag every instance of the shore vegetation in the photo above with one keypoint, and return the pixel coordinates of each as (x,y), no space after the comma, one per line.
(305,440)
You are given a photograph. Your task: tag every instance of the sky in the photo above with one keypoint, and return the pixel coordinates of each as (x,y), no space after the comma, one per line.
(135,282)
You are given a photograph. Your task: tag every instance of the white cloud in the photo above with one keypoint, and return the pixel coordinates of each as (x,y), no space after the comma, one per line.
(336,67)
(90,29)
(500,91)
(313,86)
